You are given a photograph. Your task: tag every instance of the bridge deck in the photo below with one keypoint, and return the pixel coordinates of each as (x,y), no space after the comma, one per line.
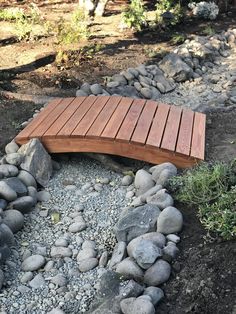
(135,128)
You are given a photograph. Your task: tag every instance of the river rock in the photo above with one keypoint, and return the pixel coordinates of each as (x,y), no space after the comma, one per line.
(6,235)
(119,253)
(120,79)
(11,147)
(81,93)
(59,251)
(33,262)
(43,196)
(77,227)
(56,311)
(145,252)
(174,67)
(6,192)
(170,220)
(1,278)
(37,282)
(96,89)
(85,254)
(150,192)
(138,305)
(130,289)
(3,203)
(13,219)
(135,222)
(88,264)
(7,171)
(27,178)
(5,252)
(127,180)
(158,273)
(24,204)
(173,238)
(59,280)
(163,172)
(129,269)
(36,161)
(17,185)
(143,182)
(155,293)
(170,252)
(14,159)
(161,199)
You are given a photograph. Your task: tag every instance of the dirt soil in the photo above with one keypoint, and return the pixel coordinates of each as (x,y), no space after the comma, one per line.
(203,279)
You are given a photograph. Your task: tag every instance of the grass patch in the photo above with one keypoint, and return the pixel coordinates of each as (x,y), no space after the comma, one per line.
(212,189)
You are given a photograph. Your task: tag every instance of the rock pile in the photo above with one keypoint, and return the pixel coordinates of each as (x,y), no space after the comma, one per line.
(190,61)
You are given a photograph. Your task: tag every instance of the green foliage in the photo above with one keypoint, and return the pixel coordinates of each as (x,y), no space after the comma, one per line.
(220,216)
(212,189)
(135,17)
(208,31)
(177,38)
(11,14)
(172,6)
(68,32)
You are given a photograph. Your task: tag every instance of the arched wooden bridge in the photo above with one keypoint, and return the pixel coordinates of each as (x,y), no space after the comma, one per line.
(136,128)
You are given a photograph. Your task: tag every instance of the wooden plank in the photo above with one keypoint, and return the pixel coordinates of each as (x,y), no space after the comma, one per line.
(127,128)
(144,123)
(25,133)
(171,130)
(142,152)
(51,118)
(117,118)
(158,125)
(64,117)
(185,132)
(90,116)
(104,116)
(198,138)
(71,124)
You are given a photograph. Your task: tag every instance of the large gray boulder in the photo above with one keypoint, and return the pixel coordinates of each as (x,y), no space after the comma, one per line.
(169,221)
(163,172)
(176,68)
(17,185)
(13,219)
(129,269)
(140,305)
(143,182)
(158,273)
(36,161)
(6,236)
(136,221)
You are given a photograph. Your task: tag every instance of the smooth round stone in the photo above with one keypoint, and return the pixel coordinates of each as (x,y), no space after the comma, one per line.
(7,192)
(43,196)
(6,236)
(129,194)
(170,251)
(169,221)
(104,180)
(86,88)
(1,278)
(161,199)
(129,269)
(143,181)
(146,92)
(77,227)
(173,238)
(96,89)
(88,244)
(37,282)
(49,266)
(140,305)
(155,293)
(103,259)
(17,185)
(127,180)
(11,147)
(32,191)
(33,262)
(88,264)
(158,273)
(26,277)
(27,178)
(3,203)
(24,204)
(57,311)
(59,280)
(59,251)
(13,219)
(8,171)
(61,242)
(80,92)
(14,159)
(85,254)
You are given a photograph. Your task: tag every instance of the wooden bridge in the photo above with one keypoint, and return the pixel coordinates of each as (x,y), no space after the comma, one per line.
(135,128)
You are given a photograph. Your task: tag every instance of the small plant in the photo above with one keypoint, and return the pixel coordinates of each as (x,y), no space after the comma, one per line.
(11,14)
(168,12)
(135,17)
(220,216)
(208,31)
(178,38)
(72,31)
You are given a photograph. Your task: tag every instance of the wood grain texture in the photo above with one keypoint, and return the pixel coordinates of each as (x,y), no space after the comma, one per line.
(198,137)
(185,132)
(144,123)
(127,127)
(158,125)
(140,129)
(171,130)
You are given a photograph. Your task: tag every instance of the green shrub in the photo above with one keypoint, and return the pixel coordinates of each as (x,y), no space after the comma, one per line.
(11,14)
(177,39)
(220,216)
(135,17)
(172,6)
(212,189)
(201,184)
